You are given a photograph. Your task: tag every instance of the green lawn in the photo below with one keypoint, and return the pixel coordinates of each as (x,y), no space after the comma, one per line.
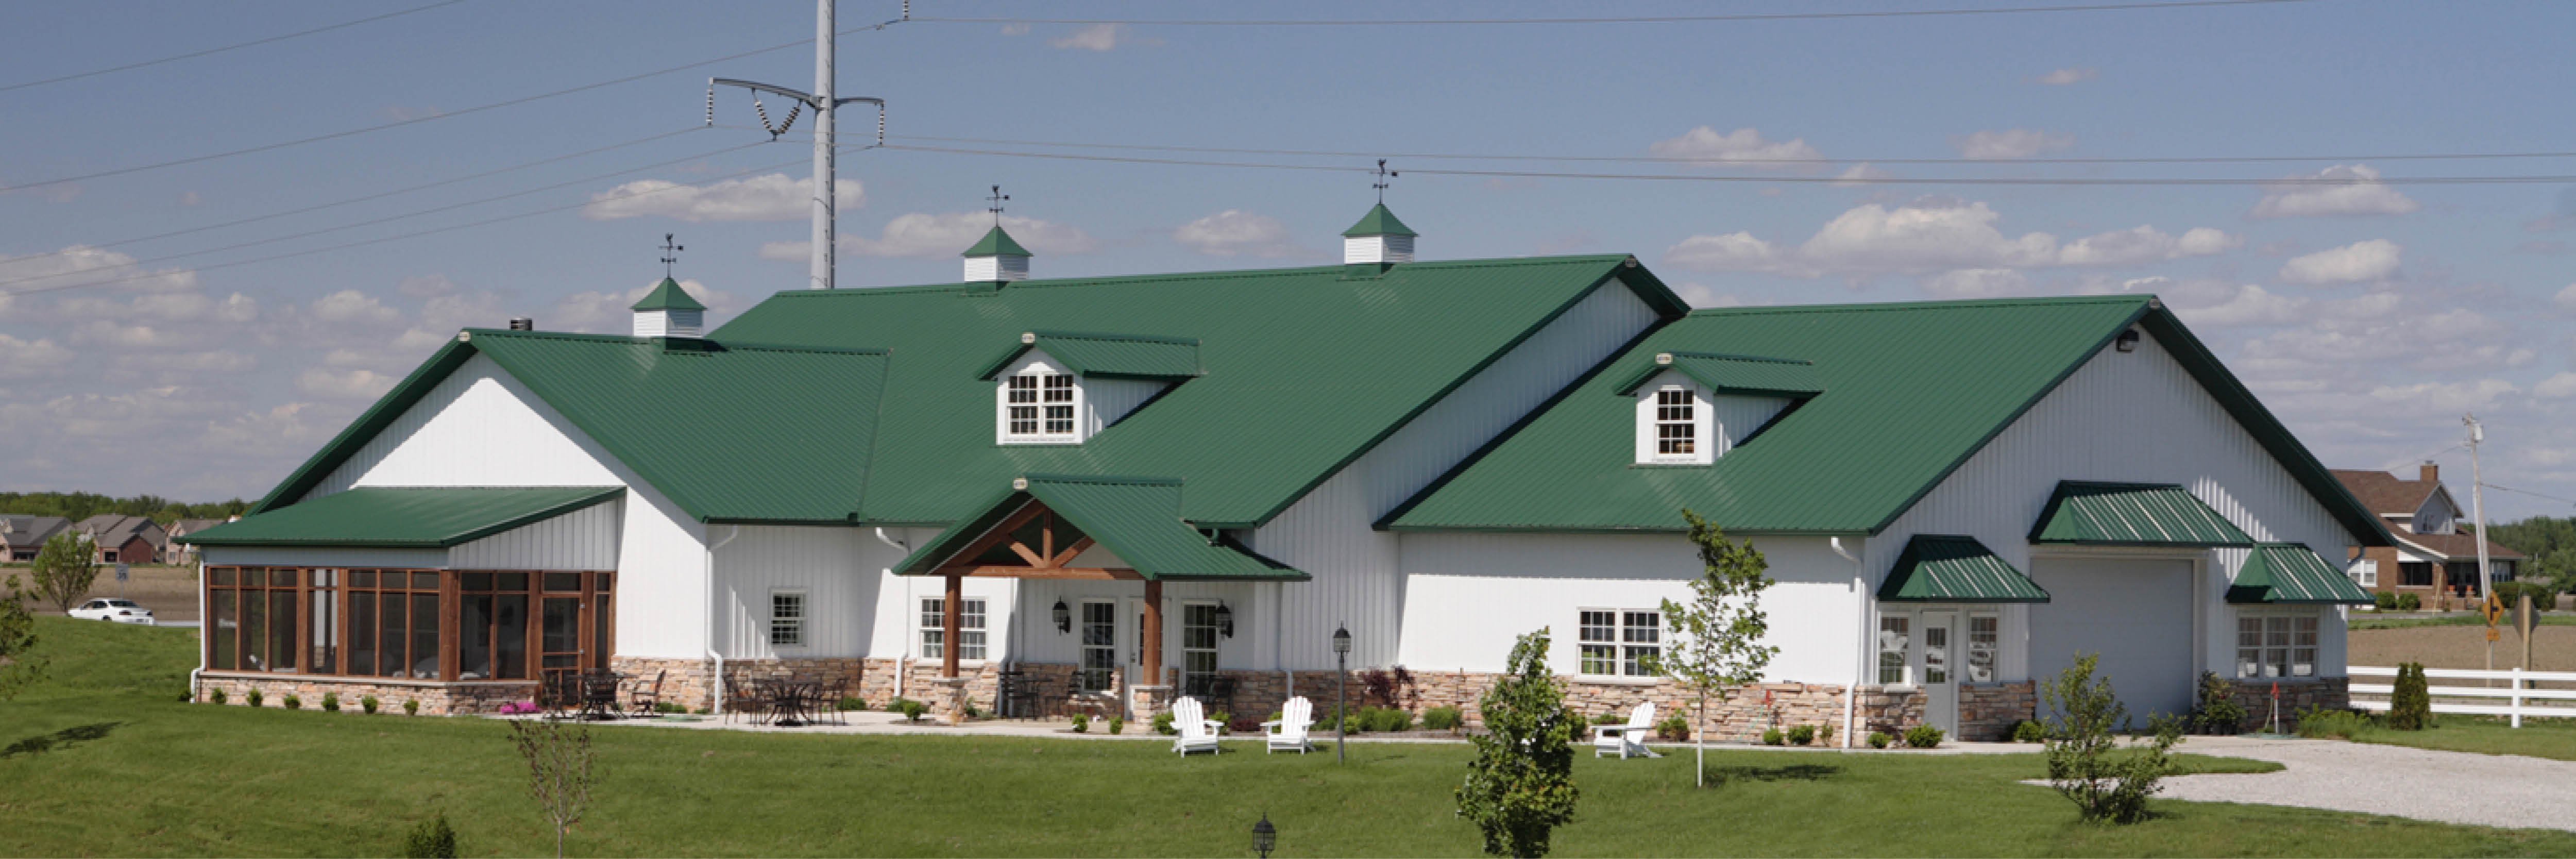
(105,760)
(2540,738)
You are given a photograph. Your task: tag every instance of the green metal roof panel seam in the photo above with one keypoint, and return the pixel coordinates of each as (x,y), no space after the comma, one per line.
(2291,573)
(2094,513)
(1955,568)
(404,517)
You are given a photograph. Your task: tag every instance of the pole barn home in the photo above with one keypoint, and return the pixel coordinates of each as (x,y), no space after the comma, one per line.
(1099,494)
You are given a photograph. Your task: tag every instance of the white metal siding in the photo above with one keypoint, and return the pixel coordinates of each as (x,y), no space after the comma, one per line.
(1111,399)
(1358,250)
(584,539)
(2136,613)
(838,570)
(477,427)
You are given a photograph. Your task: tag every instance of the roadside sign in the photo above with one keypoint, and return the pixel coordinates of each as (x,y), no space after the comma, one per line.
(2492,635)
(2495,609)
(120,573)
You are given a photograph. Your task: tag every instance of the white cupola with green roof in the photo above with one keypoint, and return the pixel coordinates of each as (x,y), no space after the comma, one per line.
(668,311)
(996,258)
(1378,239)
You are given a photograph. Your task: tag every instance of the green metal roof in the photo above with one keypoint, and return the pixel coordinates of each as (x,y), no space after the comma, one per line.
(1380,221)
(1953,568)
(668,295)
(1911,390)
(1733,374)
(1137,519)
(2291,573)
(996,243)
(403,517)
(2132,514)
(729,431)
(1117,356)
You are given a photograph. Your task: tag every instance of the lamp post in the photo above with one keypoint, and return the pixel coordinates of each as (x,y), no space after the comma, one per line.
(1264,836)
(1341,684)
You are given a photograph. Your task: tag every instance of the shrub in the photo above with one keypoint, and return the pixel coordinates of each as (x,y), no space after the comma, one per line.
(1387,719)
(670,707)
(1117,724)
(1673,729)
(972,712)
(2318,723)
(1081,723)
(912,710)
(411,706)
(253,696)
(2085,763)
(1802,734)
(2217,711)
(852,702)
(1609,719)
(291,702)
(369,704)
(2410,705)
(1438,719)
(1773,737)
(2027,731)
(432,839)
(1922,737)
(2410,602)
(2383,601)
(2543,596)
(1877,740)
(217,696)
(331,702)
(1163,724)
(1825,733)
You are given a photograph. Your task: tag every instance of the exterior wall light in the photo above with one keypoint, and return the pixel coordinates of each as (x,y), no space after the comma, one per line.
(1224,620)
(2128,341)
(1063,618)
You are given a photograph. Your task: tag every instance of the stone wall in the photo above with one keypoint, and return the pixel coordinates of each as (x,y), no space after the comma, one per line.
(1988,711)
(1889,711)
(687,682)
(2255,695)
(436,699)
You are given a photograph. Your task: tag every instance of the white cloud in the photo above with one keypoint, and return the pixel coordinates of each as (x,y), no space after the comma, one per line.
(1935,234)
(20,359)
(82,265)
(922,234)
(2010,144)
(1236,232)
(2566,298)
(344,384)
(2070,75)
(1704,144)
(2338,190)
(351,307)
(1703,296)
(1861,174)
(2249,304)
(2375,259)
(604,312)
(2556,387)
(774,197)
(2144,244)
(2444,397)
(1978,283)
(1101,37)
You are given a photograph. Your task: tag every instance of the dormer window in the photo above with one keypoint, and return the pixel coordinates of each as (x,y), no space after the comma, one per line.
(1676,431)
(1041,404)
(1693,408)
(1063,388)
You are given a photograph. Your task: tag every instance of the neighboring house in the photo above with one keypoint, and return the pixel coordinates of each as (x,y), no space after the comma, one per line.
(1126,488)
(123,539)
(24,536)
(2436,547)
(177,551)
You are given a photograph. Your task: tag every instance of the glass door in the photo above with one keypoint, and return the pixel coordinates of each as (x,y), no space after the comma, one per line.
(1099,646)
(1940,683)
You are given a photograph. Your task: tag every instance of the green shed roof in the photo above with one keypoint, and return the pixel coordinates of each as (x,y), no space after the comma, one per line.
(2132,514)
(403,517)
(996,243)
(1910,391)
(1732,374)
(1137,519)
(1118,356)
(2291,573)
(1380,221)
(707,423)
(1954,568)
(668,295)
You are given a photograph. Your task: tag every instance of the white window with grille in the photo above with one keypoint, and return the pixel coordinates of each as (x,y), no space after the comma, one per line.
(1676,424)
(2276,644)
(1619,642)
(1038,402)
(2365,572)
(934,629)
(1895,639)
(786,618)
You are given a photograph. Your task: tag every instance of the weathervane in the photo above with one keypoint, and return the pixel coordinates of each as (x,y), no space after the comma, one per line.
(670,255)
(996,201)
(1383,174)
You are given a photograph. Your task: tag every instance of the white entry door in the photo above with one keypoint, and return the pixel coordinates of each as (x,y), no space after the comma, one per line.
(1939,669)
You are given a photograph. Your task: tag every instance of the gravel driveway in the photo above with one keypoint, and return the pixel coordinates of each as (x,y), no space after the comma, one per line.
(2453,787)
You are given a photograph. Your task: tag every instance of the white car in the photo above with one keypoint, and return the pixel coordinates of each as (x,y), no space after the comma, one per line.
(115,609)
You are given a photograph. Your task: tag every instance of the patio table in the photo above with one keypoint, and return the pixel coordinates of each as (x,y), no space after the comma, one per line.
(791,703)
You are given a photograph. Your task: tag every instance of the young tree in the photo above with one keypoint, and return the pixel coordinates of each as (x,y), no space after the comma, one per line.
(1715,644)
(1521,784)
(18,664)
(63,571)
(2084,762)
(560,772)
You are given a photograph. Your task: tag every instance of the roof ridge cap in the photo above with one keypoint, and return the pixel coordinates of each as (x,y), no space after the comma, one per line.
(1936,304)
(1335,271)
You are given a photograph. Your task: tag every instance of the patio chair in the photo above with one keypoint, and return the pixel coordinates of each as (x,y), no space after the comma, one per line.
(1289,730)
(1198,733)
(1628,740)
(646,699)
(747,700)
(833,692)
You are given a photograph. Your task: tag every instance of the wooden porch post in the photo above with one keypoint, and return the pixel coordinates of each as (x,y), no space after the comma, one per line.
(949,620)
(1153,649)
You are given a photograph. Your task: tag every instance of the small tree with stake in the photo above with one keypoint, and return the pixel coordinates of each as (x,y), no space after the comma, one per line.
(18,666)
(560,772)
(63,570)
(1520,787)
(1716,635)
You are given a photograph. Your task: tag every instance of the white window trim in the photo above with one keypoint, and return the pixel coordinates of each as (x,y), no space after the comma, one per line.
(921,650)
(1965,615)
(1619,642)
(2365,572)
(1042,366)
(804,621)
(2316,660)
(1081,611)
(1704,441)
(1182,646)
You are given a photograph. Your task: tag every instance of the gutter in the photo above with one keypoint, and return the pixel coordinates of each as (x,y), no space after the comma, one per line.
(1860,665)
(718,707)
(203,621)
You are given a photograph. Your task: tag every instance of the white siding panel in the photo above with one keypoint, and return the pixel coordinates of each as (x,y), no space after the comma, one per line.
(2125,417)
(836,568)
(478,427)
(584,539)
(1112,399)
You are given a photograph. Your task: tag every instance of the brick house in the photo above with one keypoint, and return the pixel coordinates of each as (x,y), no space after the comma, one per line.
(2435,552)
(21,537)
(123,539)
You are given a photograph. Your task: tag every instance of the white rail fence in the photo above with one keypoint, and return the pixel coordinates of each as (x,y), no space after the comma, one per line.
(2512,698)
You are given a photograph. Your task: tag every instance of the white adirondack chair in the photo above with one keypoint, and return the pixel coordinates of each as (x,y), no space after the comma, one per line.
(1627,740)
(1197,731)
(1289,730)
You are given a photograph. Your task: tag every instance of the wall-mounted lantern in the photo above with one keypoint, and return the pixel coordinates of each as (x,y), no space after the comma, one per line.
(1224,620)
(1063,618)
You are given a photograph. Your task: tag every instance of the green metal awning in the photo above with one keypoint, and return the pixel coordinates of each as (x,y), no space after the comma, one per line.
(1116,356)
(2088,513)
(2291,573)
(1136,518)
(403,517)
(1954,568)
(1750,375)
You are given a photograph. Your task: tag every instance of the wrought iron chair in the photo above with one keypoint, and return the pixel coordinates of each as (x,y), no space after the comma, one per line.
(646,699)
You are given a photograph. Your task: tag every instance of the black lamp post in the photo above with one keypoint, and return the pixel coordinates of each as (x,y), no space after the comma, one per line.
(1264,836)
(1341,685)
(1063,618)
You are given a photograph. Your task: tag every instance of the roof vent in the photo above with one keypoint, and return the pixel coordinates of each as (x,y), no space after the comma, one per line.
(996,258)
(1378,240)
(667,311)
(522,323)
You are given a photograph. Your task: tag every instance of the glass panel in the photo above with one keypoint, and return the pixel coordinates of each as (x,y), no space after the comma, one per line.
(474,635)
(424,581)
(970,630)
(283,577)
(787,620)
(324,578)
(220,575)
(1894,638)
(1982,636)
(511,636)
(225,630)
(1099,645)
(362,630)
(424,635)
(325,612)
(605,579)
(396,636)
(602,620)
(1600,659)
(252,577)
(562,629)
(512,583)
(1599,626)
(282,627)
(1936,653)
(254,639)
(362,578)
(475,582)
(2249,661)
(563,582)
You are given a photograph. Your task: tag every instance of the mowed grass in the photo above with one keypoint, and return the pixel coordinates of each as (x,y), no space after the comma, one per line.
(2491,735)
(104,759)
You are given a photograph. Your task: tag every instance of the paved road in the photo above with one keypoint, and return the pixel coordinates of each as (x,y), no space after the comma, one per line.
(2452,787)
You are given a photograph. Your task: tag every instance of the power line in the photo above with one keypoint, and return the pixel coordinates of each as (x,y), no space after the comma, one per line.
(1650,19)
(358,199)
(390,218)
(1826,180)
(232,47)
(2568,501)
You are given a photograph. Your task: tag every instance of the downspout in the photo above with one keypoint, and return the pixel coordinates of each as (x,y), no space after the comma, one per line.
(718,707)
(904,656)
(1860,672)
(202,623)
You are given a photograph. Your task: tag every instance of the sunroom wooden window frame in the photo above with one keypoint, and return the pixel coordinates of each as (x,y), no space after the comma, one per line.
(596,626)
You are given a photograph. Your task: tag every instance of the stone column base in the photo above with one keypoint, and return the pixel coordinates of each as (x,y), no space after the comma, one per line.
(947,698)
(1146,702)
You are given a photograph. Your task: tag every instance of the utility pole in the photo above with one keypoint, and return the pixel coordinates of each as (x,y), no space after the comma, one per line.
(824,105)
(2478,515)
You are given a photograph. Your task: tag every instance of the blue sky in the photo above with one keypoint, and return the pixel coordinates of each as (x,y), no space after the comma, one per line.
(2368,316)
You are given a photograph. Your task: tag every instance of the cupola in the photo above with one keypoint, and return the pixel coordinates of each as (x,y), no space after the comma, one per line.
(668,311)
(996,258)
(1378,240)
